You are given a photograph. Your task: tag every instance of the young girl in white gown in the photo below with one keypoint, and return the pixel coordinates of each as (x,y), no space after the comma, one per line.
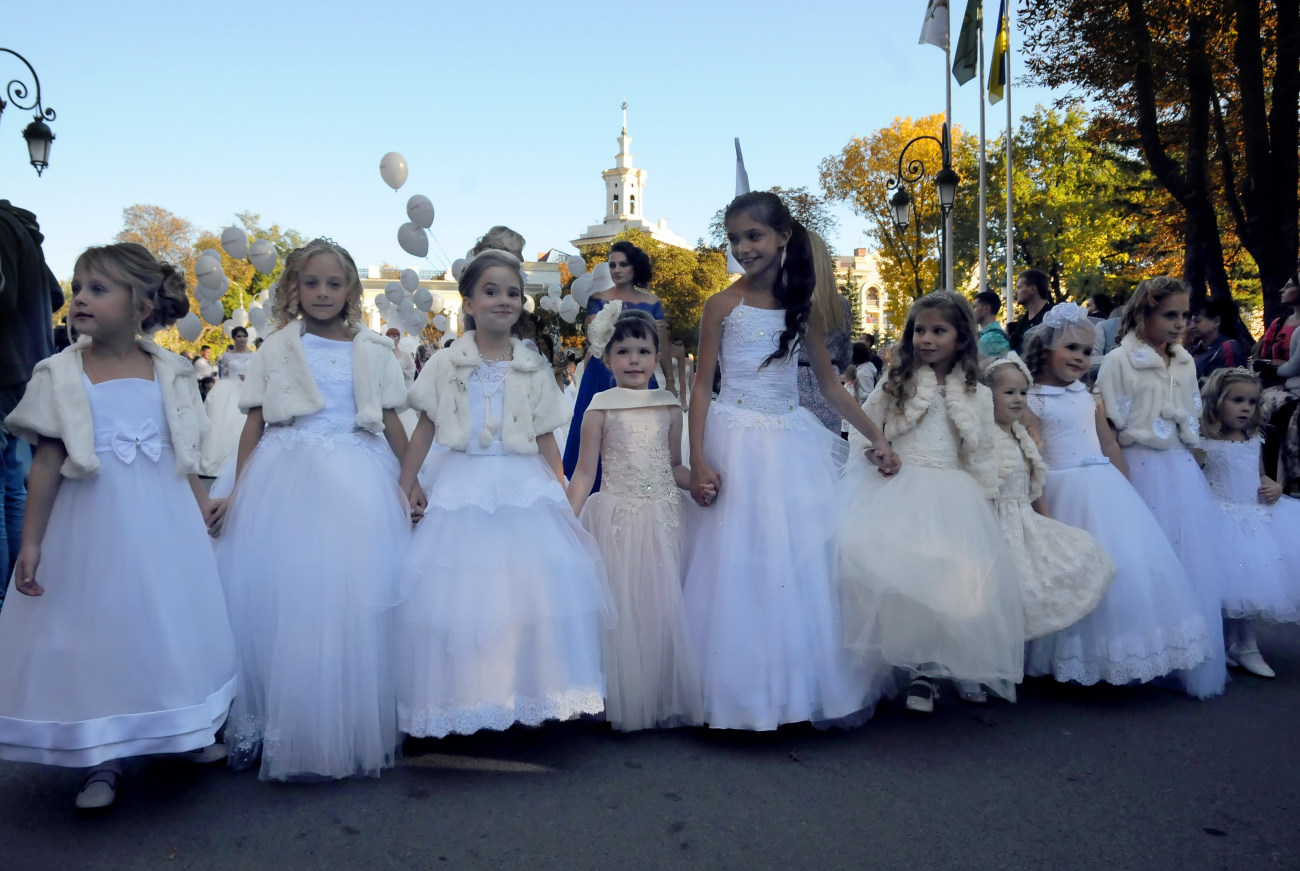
(225,417)
(1149,623)
(119,645)
(930,585)
(761,599)
(1149,391)
(1260,527)
(504,593)
(1063,570)
(651,677)
(315,533)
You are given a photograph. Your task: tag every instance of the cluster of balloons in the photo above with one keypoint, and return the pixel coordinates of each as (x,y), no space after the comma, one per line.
(419,208)
(584,285)
(213,284)
(406,305)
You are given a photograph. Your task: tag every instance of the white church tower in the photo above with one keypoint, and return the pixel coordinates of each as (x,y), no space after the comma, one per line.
(625,201)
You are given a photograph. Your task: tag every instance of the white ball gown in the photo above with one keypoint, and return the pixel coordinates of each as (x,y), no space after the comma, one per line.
(225,418)
(1263,541)
(503,592)
(1150,622)
(1064,572)
(309,558)
(761,598)
(929,583)
(651,676)
(129,651)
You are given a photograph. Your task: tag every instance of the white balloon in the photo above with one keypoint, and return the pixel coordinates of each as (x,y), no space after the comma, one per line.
(263,256)
(410,280)
(227,326)
(569,309)
(205,294)
(440,323)
(235,241)
(240,317)
(438,304)
(393,290)
(549,303)
(213,313)
(190,327)
(419,209)
(393,169)
(600,278)
(265,296)
(457,267)
(530,304)
(423,300)
(412,239)
(257,317)
(210,252)
(581,289)
(208,271)
(555,290)
(576,264)
(408,344)
(415,324)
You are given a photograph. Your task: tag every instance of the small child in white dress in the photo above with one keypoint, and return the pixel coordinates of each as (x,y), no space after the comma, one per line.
(1262,526)
(119,645)
(310,551)
(1063,571)
(651,676)
(504,593)
(930,585)
(1149,623)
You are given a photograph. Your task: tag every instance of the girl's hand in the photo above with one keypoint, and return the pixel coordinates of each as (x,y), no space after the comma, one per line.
(1269,490)
(706,484)
(418,501)
(887,461)
(29,557)
(214,515)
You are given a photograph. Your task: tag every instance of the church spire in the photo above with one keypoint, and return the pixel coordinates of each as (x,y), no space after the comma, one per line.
(625,117)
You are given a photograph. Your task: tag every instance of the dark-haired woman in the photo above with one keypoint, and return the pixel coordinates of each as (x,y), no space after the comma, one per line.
(225,420)
(630,271)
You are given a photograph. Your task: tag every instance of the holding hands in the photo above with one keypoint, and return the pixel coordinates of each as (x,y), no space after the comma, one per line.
(705,483)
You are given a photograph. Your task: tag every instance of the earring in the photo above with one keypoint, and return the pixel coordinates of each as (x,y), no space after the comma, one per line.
(783,258)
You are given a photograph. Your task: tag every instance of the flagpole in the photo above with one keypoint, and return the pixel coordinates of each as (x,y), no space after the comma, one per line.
(1006,59)
(983,215)
(947,117)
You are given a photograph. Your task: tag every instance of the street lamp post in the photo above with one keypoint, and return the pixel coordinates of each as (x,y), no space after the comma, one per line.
(38,134)
(946,181)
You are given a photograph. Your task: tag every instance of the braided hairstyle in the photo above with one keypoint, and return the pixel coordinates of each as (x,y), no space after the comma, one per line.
(794,285)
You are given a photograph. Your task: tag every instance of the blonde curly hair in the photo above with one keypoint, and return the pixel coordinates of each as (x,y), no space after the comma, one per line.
(1216,390)
(287,305)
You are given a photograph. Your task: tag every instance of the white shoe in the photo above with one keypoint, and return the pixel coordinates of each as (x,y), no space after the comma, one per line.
(100,789)
(205,755)
(971,692)
(1250,660)
(920,696)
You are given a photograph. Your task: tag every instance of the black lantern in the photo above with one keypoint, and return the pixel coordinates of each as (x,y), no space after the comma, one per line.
(37,133)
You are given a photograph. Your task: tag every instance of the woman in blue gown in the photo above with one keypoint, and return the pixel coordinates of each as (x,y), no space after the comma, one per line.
(629,269)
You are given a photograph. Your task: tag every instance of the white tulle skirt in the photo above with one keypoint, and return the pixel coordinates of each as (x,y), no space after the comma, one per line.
(1174,488)
(129,651)
(929,584)
(1264,542)
(309,559)
(1150,622)
(651,676)
(762,602)
(504,599)
(225,425)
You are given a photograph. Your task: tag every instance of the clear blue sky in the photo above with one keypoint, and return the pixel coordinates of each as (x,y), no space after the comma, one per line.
(506,112)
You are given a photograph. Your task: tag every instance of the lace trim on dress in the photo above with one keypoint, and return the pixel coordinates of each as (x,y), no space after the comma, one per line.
(324,433)
(749,417)
(1133,657)
(527,711)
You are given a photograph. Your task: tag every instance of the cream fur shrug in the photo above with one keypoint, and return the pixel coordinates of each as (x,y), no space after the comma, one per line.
(280,382)
(56,406)
(1151,403)
(533,403)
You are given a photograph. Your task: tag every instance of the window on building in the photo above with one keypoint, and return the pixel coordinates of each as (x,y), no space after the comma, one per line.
(616,204)
(873,295)
(631,204)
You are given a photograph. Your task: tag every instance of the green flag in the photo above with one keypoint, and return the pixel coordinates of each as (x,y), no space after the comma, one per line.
(966,57)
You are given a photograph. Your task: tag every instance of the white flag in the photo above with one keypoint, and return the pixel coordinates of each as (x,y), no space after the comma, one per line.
(742,187)
(935,29)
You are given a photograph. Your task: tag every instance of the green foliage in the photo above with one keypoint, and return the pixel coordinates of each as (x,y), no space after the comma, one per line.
(805,206)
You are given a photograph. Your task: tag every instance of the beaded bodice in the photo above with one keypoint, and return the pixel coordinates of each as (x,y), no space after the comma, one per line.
(1069,425)
(1232,469)
(635,456)
(235,364)
(933,441)
(764,393)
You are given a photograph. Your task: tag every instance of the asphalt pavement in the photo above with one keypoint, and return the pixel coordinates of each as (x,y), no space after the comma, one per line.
(1069,777)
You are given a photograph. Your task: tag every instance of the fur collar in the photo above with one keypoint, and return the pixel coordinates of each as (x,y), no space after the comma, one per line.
(1024,450)
(960,405)
(464,354)
(1143,356)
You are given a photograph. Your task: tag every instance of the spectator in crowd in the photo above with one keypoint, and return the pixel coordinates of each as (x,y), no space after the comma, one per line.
(993,340)
(1034,293)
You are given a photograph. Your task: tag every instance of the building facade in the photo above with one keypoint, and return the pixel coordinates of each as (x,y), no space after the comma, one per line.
(860,274)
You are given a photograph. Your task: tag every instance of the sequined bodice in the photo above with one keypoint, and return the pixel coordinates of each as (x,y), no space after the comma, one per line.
(749,335)
(933,441)
(330,362)
(1069,426)
(235,364)
(635,457)
(1232,468)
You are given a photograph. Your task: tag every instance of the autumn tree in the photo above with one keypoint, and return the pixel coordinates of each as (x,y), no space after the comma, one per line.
(1208,89)
(805,207)
(909,260)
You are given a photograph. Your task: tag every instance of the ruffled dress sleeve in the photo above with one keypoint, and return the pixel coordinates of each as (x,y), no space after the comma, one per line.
(252,394)
(550,409)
